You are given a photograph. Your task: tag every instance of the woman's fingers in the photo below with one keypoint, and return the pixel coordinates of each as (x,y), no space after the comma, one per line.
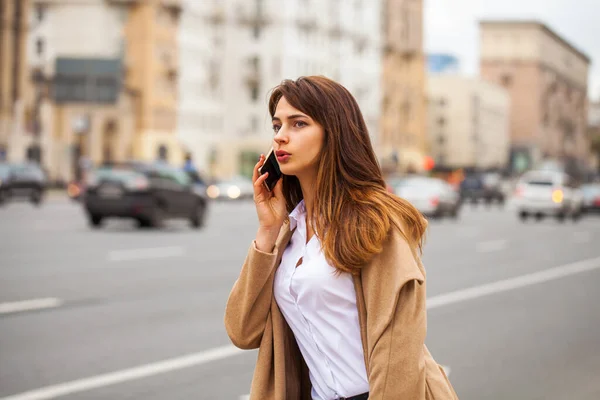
(258,184)
(260,162)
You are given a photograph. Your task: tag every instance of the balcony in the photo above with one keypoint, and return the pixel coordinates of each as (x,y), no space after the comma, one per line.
(253,19)
(216,16)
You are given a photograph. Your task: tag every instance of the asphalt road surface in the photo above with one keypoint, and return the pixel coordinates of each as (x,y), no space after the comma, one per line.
(122,313)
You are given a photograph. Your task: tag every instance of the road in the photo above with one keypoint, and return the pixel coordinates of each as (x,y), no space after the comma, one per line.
(122,313)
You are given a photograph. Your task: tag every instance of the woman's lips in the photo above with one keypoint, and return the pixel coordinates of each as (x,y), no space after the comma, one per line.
(283,157)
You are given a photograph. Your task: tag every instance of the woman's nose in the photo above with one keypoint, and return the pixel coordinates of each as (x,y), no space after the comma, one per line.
(280,137)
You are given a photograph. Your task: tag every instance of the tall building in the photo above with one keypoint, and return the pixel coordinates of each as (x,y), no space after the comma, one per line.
(74,98)
(14,27)
(403,139)
(152,67)
(267,41)
(547,78)
(103,82)
(201,54)
(469,121)
(594,134)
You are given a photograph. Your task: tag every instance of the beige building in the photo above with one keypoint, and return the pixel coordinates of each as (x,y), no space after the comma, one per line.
(469,122)
(140,123)
(402,141)
(14,27)
(547,79)
(151,73)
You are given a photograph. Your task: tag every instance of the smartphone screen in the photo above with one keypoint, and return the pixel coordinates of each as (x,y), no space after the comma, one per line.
(272,167)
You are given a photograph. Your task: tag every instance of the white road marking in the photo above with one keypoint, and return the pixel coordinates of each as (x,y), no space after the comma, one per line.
(29,305)
(491,246)
(220,353)
(582,237)
(144,371)
(145,254)
(513,283)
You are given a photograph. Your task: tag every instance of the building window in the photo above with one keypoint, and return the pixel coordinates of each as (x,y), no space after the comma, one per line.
(441,122)
(162,153)
(442,102)
(254,92)
(506,80)
(39,46)
(39,13)
(441,139)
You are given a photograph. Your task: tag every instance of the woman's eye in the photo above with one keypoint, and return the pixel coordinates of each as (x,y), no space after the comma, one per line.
(276,128)
(300,124)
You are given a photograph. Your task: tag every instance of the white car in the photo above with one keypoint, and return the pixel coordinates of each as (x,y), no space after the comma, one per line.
(542,194)
(431,196)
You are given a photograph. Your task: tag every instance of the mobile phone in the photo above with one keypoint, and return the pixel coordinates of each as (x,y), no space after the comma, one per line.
(272,167)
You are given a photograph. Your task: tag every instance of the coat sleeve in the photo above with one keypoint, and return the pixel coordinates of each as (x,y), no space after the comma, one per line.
(394,293)
(249,302)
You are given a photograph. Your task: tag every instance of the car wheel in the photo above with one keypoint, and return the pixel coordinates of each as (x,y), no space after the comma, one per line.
(198,216)
(158,217)
(95,221)
(2,198)
(576,216)
(143,223)
(560,217)
(36,197)
(523,215)
(454,213)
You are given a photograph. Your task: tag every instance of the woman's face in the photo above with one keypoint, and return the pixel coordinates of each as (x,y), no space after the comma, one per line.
(298,140)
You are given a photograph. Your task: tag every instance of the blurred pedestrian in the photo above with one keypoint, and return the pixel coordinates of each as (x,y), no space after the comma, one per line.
(332,290)
(189,166)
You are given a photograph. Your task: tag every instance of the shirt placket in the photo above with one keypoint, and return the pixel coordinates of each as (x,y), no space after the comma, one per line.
(301,225)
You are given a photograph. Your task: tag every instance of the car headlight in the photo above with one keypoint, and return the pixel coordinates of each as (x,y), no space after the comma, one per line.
(213,192)
(233,192)
(557,196)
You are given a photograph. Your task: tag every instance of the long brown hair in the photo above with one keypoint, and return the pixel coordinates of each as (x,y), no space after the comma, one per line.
(352,212)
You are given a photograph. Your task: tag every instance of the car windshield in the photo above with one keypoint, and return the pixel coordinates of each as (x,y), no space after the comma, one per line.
(539,183)
(121,174)
(4,170)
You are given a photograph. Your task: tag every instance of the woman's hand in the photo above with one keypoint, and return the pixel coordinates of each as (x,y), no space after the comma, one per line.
(270,208)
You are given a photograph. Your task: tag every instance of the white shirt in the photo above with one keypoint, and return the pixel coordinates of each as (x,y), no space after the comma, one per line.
(321,310)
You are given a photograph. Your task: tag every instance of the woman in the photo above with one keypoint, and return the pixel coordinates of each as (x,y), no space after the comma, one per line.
(332,291)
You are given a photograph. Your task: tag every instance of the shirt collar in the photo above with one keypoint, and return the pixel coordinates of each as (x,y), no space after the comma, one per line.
(297,215)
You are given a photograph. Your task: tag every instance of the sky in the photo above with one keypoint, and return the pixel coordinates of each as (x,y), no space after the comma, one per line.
(451,26)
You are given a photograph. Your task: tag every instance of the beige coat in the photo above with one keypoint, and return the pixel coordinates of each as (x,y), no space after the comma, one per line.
(390,294)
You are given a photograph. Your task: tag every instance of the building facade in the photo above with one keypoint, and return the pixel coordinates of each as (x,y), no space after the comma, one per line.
(594,134)
(469,122)
(201,93)
(547,79)
(267,41)
(69,48)
(403,139)
(14,28)
(152,64)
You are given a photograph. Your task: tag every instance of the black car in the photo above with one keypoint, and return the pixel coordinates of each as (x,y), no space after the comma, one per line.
(148,193)
(482,187)
(22,181)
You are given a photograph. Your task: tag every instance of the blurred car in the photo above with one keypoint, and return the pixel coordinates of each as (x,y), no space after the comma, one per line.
(487,187)
(236,188)
(548,193)
(431,196)
(494,188)
(148,193)
(591,196)
(25,181)
(472,188)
